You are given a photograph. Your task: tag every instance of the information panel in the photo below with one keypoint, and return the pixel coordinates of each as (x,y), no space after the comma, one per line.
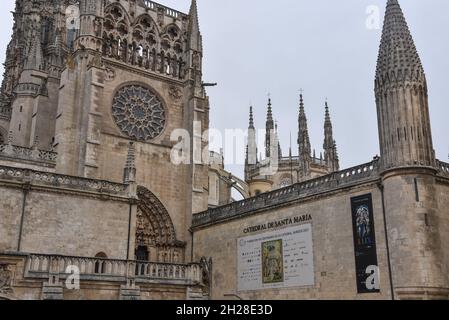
(277,259)
(365,244)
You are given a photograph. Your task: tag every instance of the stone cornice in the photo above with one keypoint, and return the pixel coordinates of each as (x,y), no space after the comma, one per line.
(45,181)
(319,187)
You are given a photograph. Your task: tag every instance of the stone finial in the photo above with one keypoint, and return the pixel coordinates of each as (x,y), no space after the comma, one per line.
(130,167)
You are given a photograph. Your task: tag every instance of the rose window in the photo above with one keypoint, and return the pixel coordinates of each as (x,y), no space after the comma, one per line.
(138,113)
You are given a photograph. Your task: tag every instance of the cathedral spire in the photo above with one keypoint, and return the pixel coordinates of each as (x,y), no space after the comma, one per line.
(330,146)
(34,59)
(251,148)
(270,131)
(401,96)
(195,38)
(303,140)
(251,118)
(397,51)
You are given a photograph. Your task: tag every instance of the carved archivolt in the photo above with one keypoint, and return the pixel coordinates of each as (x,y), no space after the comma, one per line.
(154,225)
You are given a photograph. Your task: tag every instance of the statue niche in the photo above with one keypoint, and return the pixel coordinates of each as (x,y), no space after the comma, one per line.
(155,234)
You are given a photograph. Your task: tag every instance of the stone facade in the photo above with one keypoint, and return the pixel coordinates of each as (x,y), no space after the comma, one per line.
(92,207)
(407,185)
(92,92)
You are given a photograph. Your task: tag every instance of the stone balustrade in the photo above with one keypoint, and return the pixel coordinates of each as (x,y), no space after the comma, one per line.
(443,168)
(28,154)
(358,174)
(167,11)
(42,266)
(39,178)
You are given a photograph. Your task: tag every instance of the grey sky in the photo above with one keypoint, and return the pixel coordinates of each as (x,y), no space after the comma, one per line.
(253,47)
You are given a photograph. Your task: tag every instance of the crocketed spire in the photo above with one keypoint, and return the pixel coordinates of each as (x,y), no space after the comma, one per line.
(330,146)
(303,140)
(195,39)
(402,97)
(398,58)
(251,118)
(269,127)
(251,148)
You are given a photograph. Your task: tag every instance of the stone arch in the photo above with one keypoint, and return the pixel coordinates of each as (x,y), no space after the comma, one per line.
(155,230)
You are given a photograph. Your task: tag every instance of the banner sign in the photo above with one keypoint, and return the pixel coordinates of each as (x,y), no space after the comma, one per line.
(367,270)
(276,259)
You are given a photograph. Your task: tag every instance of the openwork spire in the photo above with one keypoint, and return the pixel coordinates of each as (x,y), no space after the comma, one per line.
(398,58)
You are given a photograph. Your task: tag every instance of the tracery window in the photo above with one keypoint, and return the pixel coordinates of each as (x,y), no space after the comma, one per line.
(138,113)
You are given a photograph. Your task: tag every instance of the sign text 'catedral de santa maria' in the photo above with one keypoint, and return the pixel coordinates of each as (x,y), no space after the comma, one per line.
(110,189)
(277,224)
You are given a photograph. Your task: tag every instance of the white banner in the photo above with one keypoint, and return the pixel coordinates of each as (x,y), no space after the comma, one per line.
(277,259)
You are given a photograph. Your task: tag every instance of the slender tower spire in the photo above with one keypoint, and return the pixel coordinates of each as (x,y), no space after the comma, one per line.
(269,127)
(401,97)
(195,39)
(303,141)
(330,146)
(251,149)
(195,49)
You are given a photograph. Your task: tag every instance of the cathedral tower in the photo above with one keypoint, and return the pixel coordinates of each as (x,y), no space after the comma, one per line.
(34,61)
(415,221)
(401,97)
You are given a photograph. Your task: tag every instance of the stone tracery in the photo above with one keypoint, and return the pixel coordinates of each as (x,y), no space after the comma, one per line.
(138,112)
(141,43)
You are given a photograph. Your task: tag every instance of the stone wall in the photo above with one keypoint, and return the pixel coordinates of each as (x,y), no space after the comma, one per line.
(333,247)
(10,209)
(417,227)
(75,225)
(63,215)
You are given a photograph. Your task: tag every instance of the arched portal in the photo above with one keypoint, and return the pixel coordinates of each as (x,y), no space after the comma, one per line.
(155,233)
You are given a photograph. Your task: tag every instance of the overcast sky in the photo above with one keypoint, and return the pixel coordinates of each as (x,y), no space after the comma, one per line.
(256,47)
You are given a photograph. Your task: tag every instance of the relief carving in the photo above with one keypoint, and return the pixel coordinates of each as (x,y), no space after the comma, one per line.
(5,279)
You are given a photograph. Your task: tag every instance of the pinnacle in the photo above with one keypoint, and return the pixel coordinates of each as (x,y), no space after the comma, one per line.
(397,52)
(251,118)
